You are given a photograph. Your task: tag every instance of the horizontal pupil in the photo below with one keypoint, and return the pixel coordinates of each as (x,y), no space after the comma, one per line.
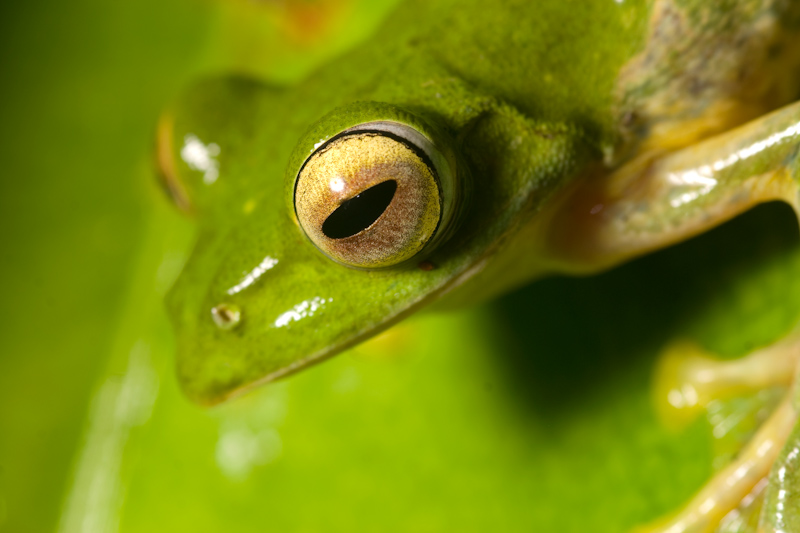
(359,212)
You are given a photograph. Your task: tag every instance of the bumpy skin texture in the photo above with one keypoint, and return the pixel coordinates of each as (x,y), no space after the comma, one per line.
(522,98)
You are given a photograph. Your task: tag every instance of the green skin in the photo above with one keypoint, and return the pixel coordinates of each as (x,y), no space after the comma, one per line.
(529,101)
(478,104)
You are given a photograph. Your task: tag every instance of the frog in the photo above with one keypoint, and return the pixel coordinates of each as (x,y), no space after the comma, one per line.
(463,152)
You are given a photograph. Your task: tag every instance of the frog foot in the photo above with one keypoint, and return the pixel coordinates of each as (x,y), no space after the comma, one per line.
(689,378)
(767,469)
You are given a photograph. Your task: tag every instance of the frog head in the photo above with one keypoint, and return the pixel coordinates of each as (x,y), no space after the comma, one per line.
(329,212)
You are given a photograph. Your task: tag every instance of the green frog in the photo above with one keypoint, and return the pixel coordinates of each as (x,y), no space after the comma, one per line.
(466,150)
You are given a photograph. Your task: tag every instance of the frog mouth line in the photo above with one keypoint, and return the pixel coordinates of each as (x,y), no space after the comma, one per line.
(450,284)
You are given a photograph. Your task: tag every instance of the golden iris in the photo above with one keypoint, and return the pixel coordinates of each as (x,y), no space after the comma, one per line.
(368,199)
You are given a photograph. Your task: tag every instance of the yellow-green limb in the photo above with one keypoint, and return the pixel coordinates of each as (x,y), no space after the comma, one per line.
(726,490)
(661,199)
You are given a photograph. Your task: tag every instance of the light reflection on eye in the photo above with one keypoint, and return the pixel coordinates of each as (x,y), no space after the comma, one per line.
(201,157)
(302,310)
(337,184)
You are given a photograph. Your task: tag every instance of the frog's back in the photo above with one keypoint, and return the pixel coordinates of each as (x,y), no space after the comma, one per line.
(658,74)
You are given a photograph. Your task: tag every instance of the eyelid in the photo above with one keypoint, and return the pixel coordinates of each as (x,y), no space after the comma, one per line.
(166,166)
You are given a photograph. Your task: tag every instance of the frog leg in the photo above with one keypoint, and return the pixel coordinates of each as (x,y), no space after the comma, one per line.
(660,199)
(731,485)
(781,511)
(688,378)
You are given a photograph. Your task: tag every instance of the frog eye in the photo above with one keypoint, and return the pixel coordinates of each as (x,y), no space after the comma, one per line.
(372,196)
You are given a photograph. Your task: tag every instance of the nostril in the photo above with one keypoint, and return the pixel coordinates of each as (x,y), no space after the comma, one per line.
(226,316)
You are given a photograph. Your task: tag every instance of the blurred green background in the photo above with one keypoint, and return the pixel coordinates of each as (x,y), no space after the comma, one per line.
(532,413)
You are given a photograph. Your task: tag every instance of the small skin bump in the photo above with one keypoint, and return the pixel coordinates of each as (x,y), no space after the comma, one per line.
(226,316)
